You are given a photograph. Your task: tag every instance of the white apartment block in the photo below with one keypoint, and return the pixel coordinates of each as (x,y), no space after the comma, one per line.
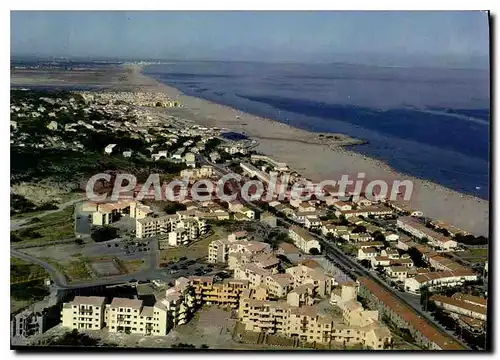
(189,228)
(122,315)
(84,313)
(303,240)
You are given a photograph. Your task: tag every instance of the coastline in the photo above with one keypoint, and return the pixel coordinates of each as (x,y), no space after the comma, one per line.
(319,162)
(305,152)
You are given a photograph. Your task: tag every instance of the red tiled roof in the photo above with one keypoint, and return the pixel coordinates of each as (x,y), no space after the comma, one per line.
(418,323)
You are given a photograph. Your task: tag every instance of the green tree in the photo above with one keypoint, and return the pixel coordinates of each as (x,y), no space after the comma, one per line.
(314,251)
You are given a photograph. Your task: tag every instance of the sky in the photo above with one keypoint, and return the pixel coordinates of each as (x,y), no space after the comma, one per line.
(296,36)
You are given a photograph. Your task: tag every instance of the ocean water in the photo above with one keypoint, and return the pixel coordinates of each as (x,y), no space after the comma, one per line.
(430,123)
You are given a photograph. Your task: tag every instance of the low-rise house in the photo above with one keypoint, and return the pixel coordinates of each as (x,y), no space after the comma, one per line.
(249,213)
(312,222)
(367,253)
(269,219)
(440,279)
(424,334)
(397,273)
(390,253)
(419,230)
(109,148)
(458,306)
(52,125)
(380,261)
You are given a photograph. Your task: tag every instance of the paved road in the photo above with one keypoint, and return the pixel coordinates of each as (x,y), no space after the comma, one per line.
(58,278)
(350,264)
(152,272)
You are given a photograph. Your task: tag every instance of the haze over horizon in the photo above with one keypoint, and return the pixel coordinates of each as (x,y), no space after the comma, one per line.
(397,38)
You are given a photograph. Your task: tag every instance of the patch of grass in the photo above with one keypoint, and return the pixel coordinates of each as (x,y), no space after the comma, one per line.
(74,270)
(132,266)
(474,255)
(55,226)
(22,271)
(27,293)
(77,270)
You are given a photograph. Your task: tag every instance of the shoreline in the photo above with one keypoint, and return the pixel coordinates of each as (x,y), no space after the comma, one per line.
(463,210)
(302,150)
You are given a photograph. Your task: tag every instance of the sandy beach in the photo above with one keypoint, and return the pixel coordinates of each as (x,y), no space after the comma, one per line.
(303,150)
(303,153)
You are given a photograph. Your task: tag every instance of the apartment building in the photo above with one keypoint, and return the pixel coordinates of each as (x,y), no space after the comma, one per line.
(279,285)
(241,253)
(266,261)
(218,251)
(186,228)
(308,324)
(303,240)
(302,295)
(397,273)
(254,274)
(305,275)
(340,295)
(130,316)
(84,312)
(400,314)
(180,302)
(419,230)
(29,323)
(226,293)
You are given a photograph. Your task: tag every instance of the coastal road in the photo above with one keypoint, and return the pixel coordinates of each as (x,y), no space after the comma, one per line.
(350,264)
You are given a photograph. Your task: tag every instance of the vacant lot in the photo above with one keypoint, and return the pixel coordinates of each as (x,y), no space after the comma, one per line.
(55,226)
(22,271)
(75,269)
(474,255)
(26,284)
(133,266)
(105,267)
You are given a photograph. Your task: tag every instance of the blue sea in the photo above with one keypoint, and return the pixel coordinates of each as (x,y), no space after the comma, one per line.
(430,123)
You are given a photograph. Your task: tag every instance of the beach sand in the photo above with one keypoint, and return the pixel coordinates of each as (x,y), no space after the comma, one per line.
(304,153)
(299,149)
